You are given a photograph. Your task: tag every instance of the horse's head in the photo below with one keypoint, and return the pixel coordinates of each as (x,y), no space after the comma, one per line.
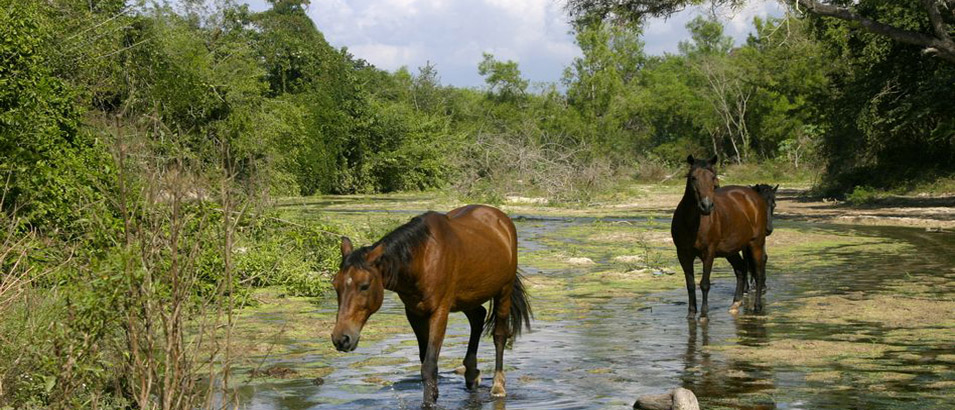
(702,180)
(360,291)
(769,194)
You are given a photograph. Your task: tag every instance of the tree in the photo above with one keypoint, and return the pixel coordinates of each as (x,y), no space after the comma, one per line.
(48,163)
(503,78)
(612,57)
(887,118)
(633,10)
(934,37)
(726,86)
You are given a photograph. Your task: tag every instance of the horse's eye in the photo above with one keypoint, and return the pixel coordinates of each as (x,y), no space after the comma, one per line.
(363,287)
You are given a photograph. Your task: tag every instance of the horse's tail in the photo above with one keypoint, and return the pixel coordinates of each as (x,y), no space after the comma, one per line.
(520,313)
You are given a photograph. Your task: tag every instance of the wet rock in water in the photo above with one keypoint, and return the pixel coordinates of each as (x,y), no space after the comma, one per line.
(580,261)
(684,399)
(318,381)
(677,399)
(654,402)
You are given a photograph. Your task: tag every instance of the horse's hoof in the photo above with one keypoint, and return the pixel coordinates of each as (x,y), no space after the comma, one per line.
(473,382)
(498,391)
(734,308)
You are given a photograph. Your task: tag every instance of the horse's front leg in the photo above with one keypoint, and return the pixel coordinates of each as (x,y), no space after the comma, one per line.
(472,376)
(739,268)
(705,283)
(686,261)
(420,326)
(437,324)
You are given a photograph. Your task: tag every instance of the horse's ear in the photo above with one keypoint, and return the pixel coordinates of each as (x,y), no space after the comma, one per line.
(374,254)
(713,160)
(775,187)
(346,246)
(690,160)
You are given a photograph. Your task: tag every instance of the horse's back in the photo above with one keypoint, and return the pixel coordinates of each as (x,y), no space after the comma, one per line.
(742,199)
(742,216)
(479,243)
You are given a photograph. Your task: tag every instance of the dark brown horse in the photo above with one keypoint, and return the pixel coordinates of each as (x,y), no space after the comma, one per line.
(438,264)
(715,222)
(768,192)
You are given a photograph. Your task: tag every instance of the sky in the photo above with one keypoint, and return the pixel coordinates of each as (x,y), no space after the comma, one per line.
(453,34)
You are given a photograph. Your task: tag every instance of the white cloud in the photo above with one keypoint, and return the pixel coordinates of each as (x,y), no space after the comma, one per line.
(741,21)
(663,35)
(452,34)
(387,55)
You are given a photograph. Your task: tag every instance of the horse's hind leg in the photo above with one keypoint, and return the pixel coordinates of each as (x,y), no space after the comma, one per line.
(472,376)
(686,261)
(739,268)
(502,309)
(759,259)
(750,273)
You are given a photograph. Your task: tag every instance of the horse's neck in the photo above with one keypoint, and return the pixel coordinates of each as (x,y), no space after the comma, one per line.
(689,209)
(396,279)
(688,201)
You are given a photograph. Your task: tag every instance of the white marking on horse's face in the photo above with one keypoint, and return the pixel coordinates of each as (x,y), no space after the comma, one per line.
(348,281)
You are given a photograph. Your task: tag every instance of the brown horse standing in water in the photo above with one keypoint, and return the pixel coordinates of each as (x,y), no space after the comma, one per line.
(715,222)
(438,264)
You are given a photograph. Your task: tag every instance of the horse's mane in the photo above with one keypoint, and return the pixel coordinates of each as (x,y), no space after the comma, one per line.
(399,246)
(765,190)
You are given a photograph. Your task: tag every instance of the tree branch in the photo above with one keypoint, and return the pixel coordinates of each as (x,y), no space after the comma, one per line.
(934,16)
(943,46)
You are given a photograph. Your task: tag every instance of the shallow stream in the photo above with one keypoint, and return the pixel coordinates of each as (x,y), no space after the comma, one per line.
(604,349)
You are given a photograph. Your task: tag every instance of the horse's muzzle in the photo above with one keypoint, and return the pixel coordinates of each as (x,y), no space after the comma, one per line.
(345,342)
(706,206)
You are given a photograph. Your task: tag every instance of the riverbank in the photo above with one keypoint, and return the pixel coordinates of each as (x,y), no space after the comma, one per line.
(932,211)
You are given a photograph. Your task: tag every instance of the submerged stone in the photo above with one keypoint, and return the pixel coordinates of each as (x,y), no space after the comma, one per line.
(654,402)
(677,399)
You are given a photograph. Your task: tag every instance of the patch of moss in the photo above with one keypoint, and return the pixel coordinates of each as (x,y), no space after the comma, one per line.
(803,353)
